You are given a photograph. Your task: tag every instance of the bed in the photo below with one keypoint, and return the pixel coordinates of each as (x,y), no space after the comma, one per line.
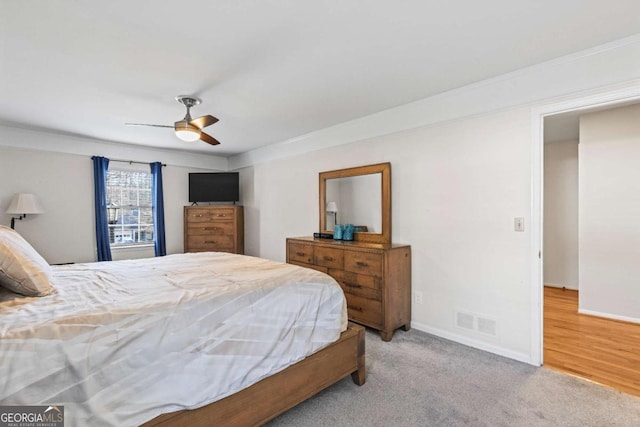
(189,339)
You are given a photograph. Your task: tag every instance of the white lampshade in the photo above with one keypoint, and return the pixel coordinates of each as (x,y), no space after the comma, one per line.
(332,207)
(24,203)
(188,135)
(186,132)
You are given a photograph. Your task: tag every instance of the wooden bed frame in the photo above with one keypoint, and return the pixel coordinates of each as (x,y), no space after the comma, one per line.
(278,393)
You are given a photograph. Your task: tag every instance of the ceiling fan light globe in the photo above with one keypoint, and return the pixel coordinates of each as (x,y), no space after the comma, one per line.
(185,131)
(187,134)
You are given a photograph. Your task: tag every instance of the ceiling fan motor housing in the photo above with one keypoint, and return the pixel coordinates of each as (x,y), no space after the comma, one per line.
(185,125)
(188,101)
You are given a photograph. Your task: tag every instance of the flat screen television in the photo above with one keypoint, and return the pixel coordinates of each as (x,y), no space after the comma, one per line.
(214,187)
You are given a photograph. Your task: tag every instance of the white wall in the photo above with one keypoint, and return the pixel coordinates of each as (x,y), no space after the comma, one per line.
(455,191)
(64,185)
(609,156)
(462,170)
(561,214)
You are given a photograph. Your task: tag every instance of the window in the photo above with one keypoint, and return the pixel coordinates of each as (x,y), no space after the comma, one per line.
(130,192)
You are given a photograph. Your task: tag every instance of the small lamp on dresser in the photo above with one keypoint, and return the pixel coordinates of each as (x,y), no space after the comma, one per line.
(23,204)
(332,208)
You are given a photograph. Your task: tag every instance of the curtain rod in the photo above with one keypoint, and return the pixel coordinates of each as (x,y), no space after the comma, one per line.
(132,161)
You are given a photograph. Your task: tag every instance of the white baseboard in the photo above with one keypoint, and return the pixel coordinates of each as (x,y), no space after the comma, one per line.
(609,316)
(558,285)
(500,351)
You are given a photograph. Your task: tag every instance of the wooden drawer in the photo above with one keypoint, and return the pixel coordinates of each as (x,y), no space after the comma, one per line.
(363,262)
(214,228)
(210,243)
(375,278)
(301,253)
(358,284)
(364,310)
(329,257)
(210,228)
(209,214)
(311,266)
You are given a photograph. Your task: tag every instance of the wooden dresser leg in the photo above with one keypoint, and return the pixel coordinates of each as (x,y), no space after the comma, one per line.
(406,327)
(386,335)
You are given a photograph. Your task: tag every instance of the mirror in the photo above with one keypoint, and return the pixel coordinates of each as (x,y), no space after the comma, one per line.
(357,200)
(359,196)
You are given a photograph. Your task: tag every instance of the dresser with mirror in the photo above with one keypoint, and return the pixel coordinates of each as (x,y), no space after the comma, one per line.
(374,273)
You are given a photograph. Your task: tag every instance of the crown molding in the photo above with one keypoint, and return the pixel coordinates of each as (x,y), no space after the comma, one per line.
(600,66)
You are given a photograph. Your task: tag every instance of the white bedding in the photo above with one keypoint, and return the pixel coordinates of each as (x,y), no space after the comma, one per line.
(119,343)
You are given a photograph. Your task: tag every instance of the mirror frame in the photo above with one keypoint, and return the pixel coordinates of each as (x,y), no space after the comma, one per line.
(383,168)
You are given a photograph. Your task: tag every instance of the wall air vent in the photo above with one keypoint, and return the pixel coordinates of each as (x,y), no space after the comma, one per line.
(475,322)
(465,320)
(487,326)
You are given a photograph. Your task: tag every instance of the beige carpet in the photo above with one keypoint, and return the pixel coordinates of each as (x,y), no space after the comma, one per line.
(421,380)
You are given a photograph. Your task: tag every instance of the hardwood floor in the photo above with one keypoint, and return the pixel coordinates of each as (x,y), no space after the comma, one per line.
(601,350)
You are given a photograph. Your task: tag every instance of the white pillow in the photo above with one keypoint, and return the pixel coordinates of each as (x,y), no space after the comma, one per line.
(22,269)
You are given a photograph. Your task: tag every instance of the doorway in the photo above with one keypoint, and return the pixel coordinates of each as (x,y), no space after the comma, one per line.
(587,346)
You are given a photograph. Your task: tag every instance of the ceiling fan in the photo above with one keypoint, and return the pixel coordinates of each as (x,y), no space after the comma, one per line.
(189,129)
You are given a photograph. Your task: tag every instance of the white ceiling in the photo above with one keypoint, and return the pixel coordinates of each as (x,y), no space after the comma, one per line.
(270,70)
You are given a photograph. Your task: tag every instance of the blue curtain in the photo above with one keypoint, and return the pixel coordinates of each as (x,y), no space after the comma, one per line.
(100,166)
(158,208)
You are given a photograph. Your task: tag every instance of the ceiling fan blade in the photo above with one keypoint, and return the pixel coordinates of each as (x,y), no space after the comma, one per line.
(208,139)
(204,121)
(144,124)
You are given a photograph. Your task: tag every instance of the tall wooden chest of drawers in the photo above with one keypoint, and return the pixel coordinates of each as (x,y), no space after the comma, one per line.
(214,228)
(375,278)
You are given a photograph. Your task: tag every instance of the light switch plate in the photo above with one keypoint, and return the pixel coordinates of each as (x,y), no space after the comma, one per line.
(518,224)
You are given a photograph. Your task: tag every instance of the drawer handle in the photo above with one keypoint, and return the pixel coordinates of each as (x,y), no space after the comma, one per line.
(362,264)
(354,308)
(210,228)
(210,241)
(220,215)
(198,216)
(328,258)
(353,285)
(300,253)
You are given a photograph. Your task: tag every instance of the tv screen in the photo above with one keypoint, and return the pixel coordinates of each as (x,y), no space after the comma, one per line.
(214,187)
